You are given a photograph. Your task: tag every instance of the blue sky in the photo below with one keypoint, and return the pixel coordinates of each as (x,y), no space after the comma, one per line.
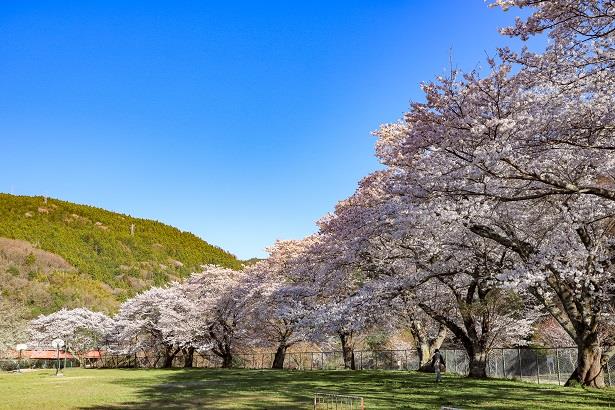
(242,122)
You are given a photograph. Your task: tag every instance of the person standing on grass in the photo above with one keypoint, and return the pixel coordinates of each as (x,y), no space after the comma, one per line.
(438,364)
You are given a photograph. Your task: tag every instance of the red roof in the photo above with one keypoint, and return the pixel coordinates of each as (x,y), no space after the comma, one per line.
(51,354)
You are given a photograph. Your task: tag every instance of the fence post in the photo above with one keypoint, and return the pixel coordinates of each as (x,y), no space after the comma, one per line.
(322,361)
(608,373)
(406,359)
(537,367)
(455,361)
(503,363)
(519,360)
(376,360)
(559,383)
(361,360)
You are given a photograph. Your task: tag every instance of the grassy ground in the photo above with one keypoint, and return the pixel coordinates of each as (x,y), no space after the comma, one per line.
(267,389)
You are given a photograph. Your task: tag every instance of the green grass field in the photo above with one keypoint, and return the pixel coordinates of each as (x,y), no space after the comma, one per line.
(267,389)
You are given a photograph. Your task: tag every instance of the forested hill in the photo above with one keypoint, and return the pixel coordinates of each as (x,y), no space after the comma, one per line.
(55,253)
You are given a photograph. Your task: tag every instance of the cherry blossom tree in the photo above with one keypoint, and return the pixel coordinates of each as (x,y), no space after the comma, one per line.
(278,311)
(580,34)
(181,323)
(363,231)
(568,259)
(151,323)
(548,332)
(328,292)
(223,299)
(82,330)
(508,145)
(410,245)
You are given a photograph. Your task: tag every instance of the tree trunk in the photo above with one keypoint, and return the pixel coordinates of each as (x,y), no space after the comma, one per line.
(478,364)
(589,368)
(188,356)
(473,345)
(424,355)
(169,356)
(424,346)
(347,351)
(227,360)
(280,355)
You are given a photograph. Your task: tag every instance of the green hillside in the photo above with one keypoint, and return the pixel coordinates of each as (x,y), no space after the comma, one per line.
(71,255)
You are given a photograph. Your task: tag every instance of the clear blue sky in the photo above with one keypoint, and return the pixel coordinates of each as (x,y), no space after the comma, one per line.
(242,122)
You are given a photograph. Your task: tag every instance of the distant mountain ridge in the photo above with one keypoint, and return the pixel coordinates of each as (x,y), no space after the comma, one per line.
(60,254)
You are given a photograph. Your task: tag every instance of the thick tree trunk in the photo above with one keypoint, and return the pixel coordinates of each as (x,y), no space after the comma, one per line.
(478,364)
(589,370)
(169,356)
(280,355)
(188,356)
(473,345)
(424,347)
(580,324)
(347,351)
(223,350)
(424,355)
(227,360)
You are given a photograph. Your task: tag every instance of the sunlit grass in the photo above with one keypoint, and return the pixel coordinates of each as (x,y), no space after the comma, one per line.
(268,389)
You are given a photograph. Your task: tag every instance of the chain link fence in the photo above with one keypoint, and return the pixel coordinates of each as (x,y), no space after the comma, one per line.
(539,365)
(14,364)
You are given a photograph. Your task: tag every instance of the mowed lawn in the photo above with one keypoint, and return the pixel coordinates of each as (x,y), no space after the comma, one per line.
(268,389)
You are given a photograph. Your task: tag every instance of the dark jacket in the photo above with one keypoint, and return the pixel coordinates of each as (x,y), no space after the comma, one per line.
(437,359)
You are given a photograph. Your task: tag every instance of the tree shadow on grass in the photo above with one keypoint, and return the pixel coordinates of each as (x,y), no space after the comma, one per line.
(269,389)
(209,389)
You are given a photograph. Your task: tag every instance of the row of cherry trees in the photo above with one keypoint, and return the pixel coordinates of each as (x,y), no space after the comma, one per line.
(206,312)
(495,209)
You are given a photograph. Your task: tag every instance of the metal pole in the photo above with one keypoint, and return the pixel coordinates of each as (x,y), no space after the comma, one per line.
(608,374)
(455,360)
(312,361)
(519,360)
(406,359)
(559,383)
(361,360)
(322,361)
(57,360)
(537,367)
(503,363)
